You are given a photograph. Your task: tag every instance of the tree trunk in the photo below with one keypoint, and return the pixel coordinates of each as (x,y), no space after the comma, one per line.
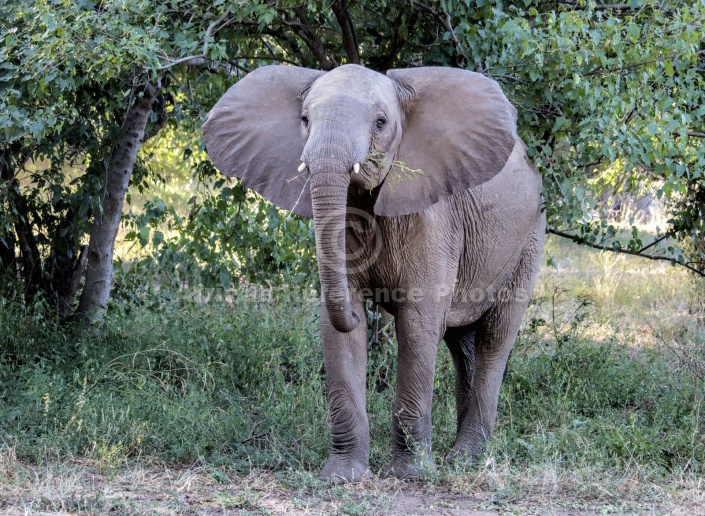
(8,241)
(8,269)
(29,250)
(66,273)
(347,29)
(699,245)
(99,266)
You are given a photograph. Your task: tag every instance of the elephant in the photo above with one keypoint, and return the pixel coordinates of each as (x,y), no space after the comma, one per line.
(424,202)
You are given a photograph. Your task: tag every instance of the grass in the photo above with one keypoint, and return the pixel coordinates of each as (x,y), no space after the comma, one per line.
(190,407)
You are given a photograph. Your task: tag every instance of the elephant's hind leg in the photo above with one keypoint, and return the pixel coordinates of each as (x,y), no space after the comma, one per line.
(461,344)
(494,338)
(479,377)
(345,359)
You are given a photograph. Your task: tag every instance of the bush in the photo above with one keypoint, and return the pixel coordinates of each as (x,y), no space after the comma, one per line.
(239,382)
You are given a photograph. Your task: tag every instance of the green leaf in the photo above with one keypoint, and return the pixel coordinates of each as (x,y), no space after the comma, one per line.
(36,128)
(144,235)
(224,279)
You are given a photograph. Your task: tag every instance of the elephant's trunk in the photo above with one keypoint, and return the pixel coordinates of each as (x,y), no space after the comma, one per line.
(329,191)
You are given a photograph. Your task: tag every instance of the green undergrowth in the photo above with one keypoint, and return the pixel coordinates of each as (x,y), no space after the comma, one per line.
(590,404)
(220,381)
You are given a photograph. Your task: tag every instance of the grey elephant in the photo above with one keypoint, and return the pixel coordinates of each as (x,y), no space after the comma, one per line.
(423,201)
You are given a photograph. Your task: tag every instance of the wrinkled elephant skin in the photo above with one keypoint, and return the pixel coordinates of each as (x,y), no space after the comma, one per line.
(423,202)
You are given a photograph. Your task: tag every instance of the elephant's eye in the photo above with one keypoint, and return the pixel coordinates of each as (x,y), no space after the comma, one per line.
(304,119)
(380,122)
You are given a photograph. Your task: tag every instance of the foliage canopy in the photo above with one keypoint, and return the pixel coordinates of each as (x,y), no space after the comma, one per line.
(610,98)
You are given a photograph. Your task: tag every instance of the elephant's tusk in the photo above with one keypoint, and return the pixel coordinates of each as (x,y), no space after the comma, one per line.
(302,167)
(356,168)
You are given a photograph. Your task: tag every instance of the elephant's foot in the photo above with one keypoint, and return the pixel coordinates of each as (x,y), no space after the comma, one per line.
(340,470)
(460,453)
(410,467)
(466,449)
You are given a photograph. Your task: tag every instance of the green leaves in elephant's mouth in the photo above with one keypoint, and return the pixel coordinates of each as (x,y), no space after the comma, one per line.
(398,170)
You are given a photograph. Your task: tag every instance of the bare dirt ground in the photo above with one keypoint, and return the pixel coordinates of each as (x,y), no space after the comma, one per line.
(80,488)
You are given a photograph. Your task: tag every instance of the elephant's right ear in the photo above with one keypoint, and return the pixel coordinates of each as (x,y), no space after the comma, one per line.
(254,132)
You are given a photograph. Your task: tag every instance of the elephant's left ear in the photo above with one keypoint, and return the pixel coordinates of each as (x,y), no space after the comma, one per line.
(459,132)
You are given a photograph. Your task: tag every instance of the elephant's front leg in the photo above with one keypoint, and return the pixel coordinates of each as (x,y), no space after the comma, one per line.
(345,359)
(418,338)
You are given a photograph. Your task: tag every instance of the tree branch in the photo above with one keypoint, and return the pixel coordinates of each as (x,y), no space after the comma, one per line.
(280,35)
(29,250)
(198,61)
(691,134)
(340,9)
(507,77)
(397,40)
(291,42)
(66,301)
(578,240)
(655,242)
(599,69)
(309,36)
(574,4)
(188,60)
(591,164)
(445,20)
(212,29)
(616,7)
(159,108)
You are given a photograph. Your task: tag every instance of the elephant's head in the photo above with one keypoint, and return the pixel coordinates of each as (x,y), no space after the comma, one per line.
(412,137)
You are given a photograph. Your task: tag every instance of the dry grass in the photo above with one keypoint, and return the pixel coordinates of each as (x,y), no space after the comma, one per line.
(149,487)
